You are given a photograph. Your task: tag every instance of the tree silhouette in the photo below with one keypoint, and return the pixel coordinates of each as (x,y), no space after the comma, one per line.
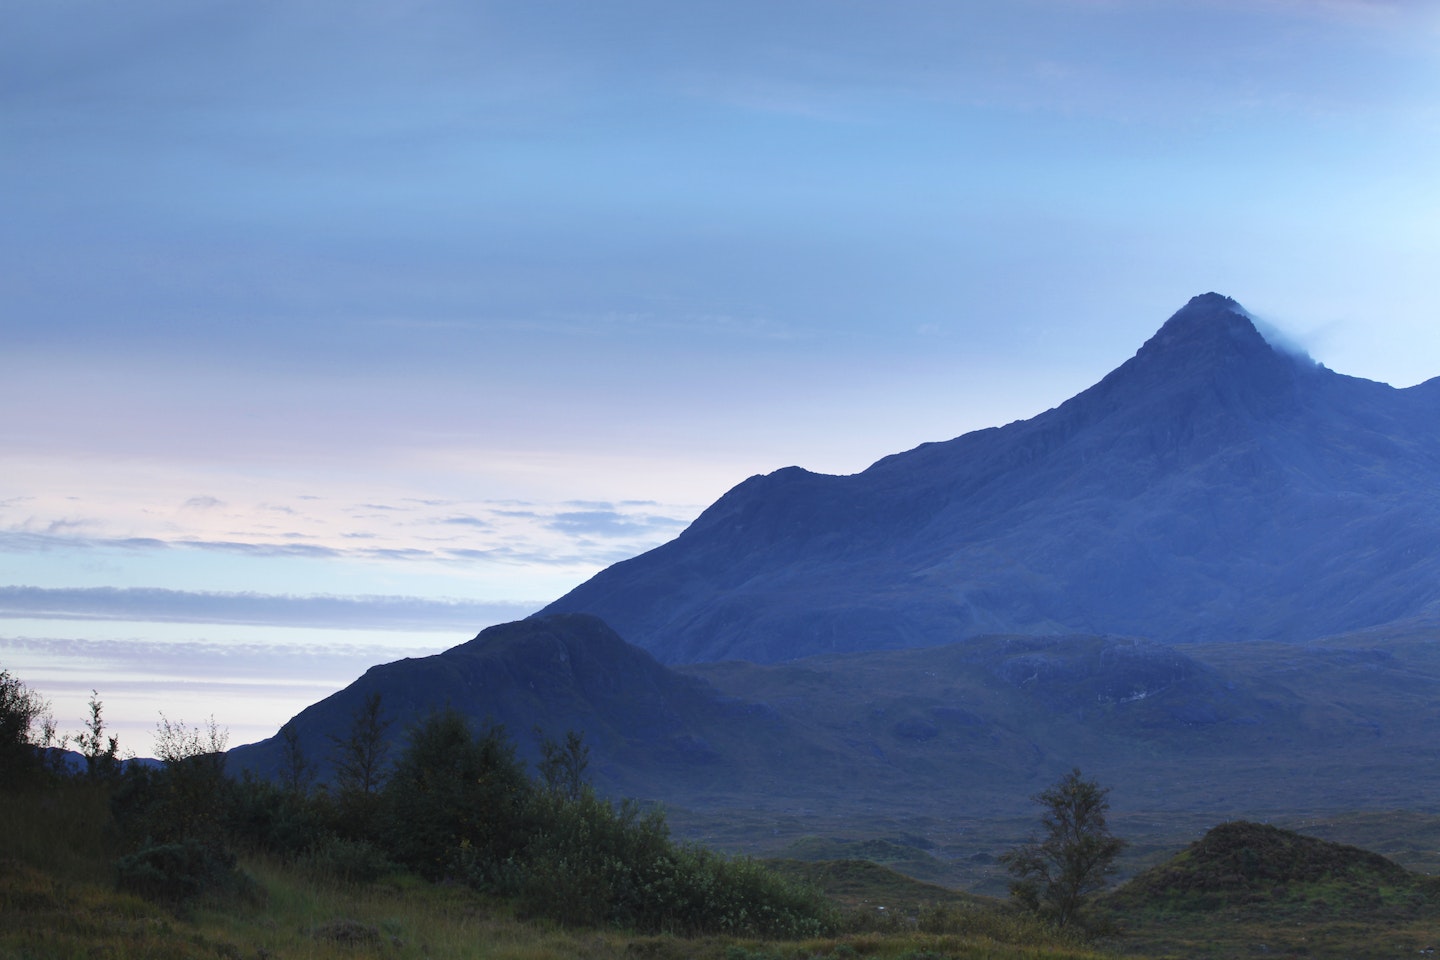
(1057,874)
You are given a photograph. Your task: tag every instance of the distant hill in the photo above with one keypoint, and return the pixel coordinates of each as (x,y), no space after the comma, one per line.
(968,729)
(1213,487)
(651,731)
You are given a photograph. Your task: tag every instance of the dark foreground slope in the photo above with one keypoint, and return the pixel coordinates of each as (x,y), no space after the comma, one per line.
(1211,488)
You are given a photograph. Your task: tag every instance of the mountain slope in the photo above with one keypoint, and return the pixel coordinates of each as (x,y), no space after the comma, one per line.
(649,728)
(1213,487)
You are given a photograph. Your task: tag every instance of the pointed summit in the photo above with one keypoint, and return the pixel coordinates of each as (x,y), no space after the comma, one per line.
(1210,324)
(1208,358)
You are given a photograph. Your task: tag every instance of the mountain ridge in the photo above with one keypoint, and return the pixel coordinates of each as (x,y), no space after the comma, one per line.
(1189,494)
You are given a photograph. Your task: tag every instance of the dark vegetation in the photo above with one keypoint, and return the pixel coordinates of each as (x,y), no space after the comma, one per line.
(456,806)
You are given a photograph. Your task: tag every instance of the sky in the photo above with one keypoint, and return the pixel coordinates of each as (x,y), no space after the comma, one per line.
(331,333)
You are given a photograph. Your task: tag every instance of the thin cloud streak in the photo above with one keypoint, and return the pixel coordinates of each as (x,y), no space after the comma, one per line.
(177,606)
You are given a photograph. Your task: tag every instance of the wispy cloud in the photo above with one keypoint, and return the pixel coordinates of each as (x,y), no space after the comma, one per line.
(469,522)
(230,659)
(610,523)
(179,606)
(406,530)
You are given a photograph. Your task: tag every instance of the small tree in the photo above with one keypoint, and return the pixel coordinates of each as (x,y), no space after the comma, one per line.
(190,788)
(296,770)
(21,744)
(1057,874)
(100,748)
(562,766)
(456,802)
(359,758)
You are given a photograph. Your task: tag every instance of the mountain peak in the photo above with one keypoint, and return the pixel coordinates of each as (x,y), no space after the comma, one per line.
(1209,321)
(1210,341)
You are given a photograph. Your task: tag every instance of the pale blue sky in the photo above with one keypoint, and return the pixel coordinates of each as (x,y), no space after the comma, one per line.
(459,302)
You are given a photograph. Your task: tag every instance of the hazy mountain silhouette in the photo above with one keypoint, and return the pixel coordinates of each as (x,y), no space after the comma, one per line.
(644,723)
(1213,487)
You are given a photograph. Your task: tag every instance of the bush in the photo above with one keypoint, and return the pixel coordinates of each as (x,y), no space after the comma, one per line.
(260,815)
(25,728)
(703,892)
(456,803)
(587,861)
(349,861)
(179,873)
(184,799)
(593,863)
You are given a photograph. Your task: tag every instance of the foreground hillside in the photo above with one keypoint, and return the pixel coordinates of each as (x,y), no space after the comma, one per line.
(1212,488)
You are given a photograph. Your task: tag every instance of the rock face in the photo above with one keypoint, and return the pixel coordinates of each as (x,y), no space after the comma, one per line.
(1213,487)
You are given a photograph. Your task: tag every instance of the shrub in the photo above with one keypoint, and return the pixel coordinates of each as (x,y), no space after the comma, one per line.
(697,891)
(25,728)
(184,799)
(588,859)
(178,873)
(456,803)
(349,861)
(262,815)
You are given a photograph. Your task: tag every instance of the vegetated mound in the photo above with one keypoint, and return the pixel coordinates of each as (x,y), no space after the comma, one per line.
(1242,863)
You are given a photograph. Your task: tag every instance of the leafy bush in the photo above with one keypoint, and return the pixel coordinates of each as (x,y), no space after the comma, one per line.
(179,873)
(184,799)
(456,803)
(261,815)
(25,728)
(350,861)
(587,860)
(591,863)
(703,892)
